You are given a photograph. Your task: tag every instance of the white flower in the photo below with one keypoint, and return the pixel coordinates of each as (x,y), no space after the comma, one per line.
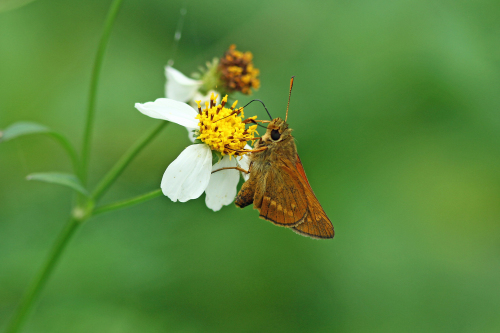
(180,87)
(184,89)
(190,174)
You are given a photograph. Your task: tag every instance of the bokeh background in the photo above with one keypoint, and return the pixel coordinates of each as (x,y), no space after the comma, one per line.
(396,112)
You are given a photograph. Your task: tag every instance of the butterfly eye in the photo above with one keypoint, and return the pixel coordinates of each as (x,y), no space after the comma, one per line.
(275,135)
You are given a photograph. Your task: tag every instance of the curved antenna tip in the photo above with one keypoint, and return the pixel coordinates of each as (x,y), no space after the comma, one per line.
(258,100)
(289,95)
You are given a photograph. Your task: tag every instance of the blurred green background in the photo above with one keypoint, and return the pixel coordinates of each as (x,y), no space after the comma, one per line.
(396,116)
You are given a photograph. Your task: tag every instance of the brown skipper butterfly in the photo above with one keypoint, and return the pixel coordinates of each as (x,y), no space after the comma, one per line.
(278,186)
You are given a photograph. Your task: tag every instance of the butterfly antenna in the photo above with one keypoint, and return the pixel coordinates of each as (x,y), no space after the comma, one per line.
(258,100)
(289,95)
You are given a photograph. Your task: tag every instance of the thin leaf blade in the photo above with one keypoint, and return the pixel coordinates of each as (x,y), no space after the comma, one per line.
(64,179)
(22,128)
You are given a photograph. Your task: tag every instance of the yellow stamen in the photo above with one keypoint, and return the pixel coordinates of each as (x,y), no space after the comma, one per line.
(199,106)
(223,129)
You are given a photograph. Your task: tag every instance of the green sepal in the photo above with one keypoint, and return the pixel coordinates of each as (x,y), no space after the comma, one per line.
(210,77)
(198,141)
(216,157)
(64,179)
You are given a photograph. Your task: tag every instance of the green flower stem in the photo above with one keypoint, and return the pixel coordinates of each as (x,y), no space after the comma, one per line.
(128,202)
(113,11)
(122,163)
(79,216)
(40,280)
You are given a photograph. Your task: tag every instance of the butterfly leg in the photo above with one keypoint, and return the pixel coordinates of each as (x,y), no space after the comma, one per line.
(236,168)
(256,150)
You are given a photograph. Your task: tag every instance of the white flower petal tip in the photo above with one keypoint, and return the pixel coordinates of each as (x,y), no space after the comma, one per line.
(180,87)
(189,174)
(170,110)
(221,189)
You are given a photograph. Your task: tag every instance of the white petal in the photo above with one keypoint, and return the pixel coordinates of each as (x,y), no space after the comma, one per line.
(191,133)
(221,189)
(179,87)
(188,175)
(168,109)
(244,163)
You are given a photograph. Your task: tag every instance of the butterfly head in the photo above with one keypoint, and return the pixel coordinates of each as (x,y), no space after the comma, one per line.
(277,131)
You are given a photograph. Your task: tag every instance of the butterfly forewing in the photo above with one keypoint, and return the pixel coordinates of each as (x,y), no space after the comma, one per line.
(316,224)
(284,203)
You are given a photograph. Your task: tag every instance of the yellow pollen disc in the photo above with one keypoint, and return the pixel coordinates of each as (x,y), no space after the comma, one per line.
(222,129)
(238,72)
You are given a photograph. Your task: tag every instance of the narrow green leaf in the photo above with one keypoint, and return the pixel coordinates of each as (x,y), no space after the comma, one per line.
(27,128)
(64,179)
(22,128)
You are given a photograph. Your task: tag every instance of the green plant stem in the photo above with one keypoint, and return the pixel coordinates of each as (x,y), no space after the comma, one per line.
(74,222)
(62,241)
(113,11)
(122,163)
(128,202)
(40,280)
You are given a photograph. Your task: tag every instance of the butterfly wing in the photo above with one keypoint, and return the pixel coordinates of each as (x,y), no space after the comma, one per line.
(284,203)
(316,224)
(291,202)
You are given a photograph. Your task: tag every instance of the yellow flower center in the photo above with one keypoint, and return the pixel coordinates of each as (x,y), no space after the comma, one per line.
(223,129)
(237,71)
